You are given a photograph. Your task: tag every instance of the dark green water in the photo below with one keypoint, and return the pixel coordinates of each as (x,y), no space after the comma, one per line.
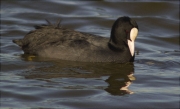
(152,81)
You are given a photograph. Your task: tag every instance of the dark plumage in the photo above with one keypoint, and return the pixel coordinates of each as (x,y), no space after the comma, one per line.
(62,43)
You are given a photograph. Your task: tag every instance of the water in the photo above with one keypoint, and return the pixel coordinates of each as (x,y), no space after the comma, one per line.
(152,81)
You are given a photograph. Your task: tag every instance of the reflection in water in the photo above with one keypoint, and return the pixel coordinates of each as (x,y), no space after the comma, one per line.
(118,84)
(120,76)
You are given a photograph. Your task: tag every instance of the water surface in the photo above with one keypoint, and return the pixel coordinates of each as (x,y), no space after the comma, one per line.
(152,81)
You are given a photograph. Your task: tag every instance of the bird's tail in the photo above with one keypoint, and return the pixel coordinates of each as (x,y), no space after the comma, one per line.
(18,42)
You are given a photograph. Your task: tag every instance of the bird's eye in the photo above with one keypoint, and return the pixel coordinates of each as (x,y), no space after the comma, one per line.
(127,32)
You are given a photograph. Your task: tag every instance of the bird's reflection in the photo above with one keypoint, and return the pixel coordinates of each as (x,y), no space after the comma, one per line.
(118,84)
(120,76)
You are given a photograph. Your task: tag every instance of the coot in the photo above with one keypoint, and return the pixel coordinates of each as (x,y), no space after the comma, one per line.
(54,41)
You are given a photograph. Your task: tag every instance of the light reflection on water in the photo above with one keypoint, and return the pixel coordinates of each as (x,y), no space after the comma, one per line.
(152,81)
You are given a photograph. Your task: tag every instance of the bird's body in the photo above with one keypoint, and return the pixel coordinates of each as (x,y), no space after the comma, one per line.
(66,44)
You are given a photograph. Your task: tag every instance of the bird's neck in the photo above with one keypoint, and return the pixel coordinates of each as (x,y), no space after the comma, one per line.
(115,47)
